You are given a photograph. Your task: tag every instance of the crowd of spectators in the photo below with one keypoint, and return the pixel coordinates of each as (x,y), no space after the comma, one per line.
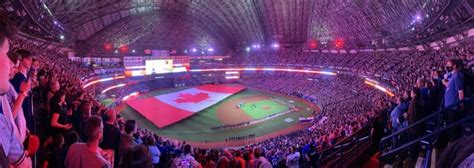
(401,68)
(340,120)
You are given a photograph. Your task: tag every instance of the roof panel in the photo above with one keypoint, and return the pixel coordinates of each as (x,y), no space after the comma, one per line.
(236,22)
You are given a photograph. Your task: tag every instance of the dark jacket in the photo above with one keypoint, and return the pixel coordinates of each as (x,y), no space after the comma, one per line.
(416,111)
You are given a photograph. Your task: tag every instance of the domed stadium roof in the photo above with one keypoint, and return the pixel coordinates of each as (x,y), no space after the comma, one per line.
(226,24)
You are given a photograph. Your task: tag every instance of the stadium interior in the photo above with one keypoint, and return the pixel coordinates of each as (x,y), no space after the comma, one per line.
(236,83)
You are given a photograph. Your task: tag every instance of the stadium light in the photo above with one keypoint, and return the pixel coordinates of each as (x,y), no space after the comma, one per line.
(186,51)
(194,50)
(313,43)
(108,47)
(123,49)
(418,17)
(275,45)
(133,51)
(113,87)
(247,49)
(102,80)
(375,85)
(210,49)
(339,43)
(130,95)
(61,37)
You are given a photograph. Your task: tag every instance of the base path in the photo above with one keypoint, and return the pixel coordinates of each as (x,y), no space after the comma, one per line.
(228,113)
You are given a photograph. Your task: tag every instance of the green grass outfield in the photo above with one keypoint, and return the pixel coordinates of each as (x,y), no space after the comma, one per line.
(197,128)
(263,108)
(108,101)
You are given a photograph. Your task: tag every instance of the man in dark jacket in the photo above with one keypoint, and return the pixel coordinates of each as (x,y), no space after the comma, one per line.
(20,77)
(111,135)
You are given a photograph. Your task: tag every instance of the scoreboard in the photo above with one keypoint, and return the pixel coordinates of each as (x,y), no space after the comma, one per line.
(148,65)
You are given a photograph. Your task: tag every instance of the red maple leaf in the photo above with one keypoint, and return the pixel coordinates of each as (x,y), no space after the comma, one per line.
(191,98)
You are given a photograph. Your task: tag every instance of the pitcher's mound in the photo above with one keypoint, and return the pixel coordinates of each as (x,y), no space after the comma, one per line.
(266,107)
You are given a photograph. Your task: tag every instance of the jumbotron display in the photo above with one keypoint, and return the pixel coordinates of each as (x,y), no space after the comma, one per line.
(149,65)
(158,66)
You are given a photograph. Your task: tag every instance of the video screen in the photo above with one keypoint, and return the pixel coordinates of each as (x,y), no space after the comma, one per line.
(158,66)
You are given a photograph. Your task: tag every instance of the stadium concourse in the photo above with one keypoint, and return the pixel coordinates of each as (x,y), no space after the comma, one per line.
(236,83)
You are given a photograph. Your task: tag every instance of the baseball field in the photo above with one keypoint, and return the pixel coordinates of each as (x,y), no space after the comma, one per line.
(246,117)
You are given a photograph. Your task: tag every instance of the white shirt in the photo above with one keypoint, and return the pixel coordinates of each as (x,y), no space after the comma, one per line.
(155,154)
(18,122)
(12,147)
(293,160)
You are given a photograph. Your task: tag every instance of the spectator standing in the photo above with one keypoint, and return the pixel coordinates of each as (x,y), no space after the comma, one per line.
(136,157)
(313,156)
(16,116)
(438,89)
(416,112)
(59,120)
(79,117)
(111,135)
(126,139)
(20,77)
(454,92)
(239,159)
(224,159)
(54,86)
(293,159)
(397,113)
(454,84)
(87,155)
(185,159)
(260,160)
(10,144)
(153,151)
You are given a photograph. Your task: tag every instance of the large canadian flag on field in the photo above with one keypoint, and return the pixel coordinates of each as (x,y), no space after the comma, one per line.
(169,108)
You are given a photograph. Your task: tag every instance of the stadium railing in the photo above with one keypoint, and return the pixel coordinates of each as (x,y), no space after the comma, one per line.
(343,153)
(436,129)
